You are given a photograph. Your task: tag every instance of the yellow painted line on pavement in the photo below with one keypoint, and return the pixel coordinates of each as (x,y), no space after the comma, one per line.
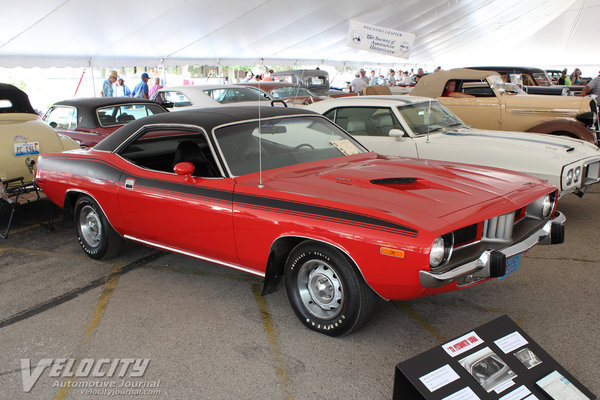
(270,331)
(421,321)
(30,227)
(107,291)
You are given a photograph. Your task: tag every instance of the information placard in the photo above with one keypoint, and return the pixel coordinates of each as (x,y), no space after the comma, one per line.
(497,360)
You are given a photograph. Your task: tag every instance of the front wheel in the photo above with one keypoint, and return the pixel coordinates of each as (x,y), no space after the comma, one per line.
(97,238)
(326,291)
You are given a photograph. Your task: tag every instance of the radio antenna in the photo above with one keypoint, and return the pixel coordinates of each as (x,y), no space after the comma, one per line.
(260,182)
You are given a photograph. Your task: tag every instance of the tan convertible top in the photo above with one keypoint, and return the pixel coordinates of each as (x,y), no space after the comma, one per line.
(432,85)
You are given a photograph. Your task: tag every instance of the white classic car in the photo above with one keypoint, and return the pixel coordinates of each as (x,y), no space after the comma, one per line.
(179,98)
(422,127)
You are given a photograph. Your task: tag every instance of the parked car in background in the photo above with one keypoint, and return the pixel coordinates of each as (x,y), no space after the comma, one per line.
(554,75)
(498,105)
(90,120)
(285,194)
(315,80)
(179,98)
(423,128)
(292,93)
(23,136)
(533,80)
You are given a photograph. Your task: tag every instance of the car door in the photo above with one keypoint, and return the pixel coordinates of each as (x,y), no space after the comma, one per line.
(371,126)
(190,214)
(482,111)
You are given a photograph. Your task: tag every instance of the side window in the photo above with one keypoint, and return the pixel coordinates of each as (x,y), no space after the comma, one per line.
(160,149)
(61,117)
(477,88)
(177,98)
(330,115)
(366,121)
(127,112)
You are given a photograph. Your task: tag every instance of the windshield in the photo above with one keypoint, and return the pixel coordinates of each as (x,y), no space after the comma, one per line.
(291,91)
(542,79)
(237,94)
(428,117)
(504,87)
(283,142)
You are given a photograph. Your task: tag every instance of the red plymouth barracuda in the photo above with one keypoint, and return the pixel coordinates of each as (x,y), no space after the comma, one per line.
(287,195)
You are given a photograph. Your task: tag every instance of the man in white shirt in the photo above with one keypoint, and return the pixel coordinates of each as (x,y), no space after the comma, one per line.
(358,84)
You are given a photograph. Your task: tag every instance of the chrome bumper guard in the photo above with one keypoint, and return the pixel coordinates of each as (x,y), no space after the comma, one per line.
(487,265)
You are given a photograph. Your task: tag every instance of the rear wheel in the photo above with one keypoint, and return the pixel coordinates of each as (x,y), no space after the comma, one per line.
(326,291)
(97,238)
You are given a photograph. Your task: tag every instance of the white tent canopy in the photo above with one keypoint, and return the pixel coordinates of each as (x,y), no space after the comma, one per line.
(79,33)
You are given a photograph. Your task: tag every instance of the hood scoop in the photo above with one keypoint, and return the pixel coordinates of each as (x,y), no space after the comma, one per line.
(393,181)
(405,184)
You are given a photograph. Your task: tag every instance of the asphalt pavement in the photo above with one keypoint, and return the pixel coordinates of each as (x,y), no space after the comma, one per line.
(194,330)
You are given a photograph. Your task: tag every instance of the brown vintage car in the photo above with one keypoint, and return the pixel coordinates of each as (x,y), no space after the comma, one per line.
(292,93)
(498,105)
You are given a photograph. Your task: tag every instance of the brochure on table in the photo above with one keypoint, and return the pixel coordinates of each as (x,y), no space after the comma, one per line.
(496,361)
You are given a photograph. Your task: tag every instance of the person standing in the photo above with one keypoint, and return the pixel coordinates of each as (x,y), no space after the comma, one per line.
(363,75)
(155,87)
(390,80)
(141,89)
(107,85)
(121,90)
(358,84)
(593,87)
(373,80)
(576,77)
(564,79)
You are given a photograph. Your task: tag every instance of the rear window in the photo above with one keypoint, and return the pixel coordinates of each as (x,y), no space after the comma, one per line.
(124,113)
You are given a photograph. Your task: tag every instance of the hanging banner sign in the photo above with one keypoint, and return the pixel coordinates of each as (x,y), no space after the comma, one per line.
(380,40)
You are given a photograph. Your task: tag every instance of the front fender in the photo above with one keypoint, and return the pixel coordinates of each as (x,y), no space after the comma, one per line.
(574,128)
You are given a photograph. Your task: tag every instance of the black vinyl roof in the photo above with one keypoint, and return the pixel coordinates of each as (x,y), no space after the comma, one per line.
(18,98)
(206,118)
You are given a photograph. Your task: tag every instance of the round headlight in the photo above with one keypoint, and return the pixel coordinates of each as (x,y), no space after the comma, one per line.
(570,177)
(547,207)
(438,251)
(577,174)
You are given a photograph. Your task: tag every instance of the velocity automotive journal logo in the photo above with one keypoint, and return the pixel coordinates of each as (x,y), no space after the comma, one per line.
(121,368)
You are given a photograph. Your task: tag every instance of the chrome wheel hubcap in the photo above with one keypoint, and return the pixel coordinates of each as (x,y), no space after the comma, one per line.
(320,289)
(90,226)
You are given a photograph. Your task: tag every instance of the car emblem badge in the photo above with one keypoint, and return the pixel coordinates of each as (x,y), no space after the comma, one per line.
(19,137)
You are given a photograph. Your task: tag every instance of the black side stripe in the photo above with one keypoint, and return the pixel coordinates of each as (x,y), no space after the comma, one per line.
(100,169)
(326,213)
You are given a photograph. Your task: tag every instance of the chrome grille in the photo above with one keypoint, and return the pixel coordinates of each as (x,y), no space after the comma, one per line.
(499,228)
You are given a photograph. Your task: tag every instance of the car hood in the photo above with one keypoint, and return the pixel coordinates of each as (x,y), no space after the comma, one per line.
(427,194)
(517,150)
(558,106)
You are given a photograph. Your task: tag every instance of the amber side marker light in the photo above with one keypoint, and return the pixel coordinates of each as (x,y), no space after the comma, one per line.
(386,251)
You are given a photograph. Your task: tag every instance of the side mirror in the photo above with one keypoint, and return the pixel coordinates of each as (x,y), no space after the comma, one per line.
(398,134)
(184,168)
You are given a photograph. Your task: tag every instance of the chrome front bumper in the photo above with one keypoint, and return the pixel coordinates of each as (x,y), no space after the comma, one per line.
(486,266)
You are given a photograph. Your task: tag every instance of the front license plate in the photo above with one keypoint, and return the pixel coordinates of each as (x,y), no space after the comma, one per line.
(512,264)
(28,148)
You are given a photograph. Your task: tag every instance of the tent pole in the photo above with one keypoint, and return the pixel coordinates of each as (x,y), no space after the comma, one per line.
(92,75)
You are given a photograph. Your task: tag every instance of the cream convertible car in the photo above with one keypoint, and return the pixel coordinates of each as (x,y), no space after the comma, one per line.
(23,136)
(423,128)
